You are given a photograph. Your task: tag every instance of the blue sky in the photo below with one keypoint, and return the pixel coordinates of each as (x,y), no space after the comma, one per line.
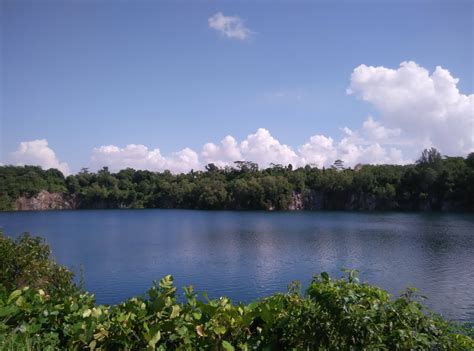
(82,75)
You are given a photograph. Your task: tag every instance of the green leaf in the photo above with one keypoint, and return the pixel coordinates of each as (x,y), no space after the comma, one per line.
(92,345)
(166,282)
(86,313)
(227,346)
(8,310)
(175,311)
(219,329)
(267,315)
(325,276)
(154,339)
(14,295)
(251,306)
(34,328)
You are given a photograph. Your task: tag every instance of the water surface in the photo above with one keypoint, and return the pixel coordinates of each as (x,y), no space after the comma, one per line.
(247,255)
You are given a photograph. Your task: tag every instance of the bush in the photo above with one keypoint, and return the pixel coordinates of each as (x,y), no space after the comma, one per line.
(333,314)
(27,261)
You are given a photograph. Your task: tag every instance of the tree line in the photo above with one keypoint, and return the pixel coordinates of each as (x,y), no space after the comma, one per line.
(434,182)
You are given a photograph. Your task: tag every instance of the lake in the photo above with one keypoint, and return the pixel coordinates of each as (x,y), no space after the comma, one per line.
(248,255)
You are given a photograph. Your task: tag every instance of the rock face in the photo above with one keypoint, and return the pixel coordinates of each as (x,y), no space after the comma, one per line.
(296,202)
(44,201)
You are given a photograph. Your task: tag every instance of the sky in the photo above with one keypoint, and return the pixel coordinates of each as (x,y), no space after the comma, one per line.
(178,84)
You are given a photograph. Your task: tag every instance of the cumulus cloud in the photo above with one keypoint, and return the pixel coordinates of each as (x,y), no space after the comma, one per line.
(318,151)
(140,157)
(230,26)
(415,109)
(374,130)
(425,107)
(370,144)
(38,153)
(361,146)
(263,148)
(260,147)
(224,154)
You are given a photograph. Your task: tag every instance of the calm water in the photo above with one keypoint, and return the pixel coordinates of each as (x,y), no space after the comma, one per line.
(247,255)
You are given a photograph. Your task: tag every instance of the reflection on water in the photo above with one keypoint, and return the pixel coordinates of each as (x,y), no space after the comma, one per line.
(247,255)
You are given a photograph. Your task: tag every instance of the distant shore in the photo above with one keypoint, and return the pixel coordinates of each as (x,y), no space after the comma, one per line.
(433,183)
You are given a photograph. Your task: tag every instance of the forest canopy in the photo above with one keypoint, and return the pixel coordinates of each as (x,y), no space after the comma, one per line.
(434,182)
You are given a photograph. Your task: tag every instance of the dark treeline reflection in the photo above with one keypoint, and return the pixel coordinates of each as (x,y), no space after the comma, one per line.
(434,182)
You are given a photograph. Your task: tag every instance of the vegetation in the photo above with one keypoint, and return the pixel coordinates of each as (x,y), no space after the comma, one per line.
(50,314)
(27,262)
(433,183)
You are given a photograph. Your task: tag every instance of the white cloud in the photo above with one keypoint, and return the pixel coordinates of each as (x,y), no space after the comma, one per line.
(364,146)
(264,149)
(354,147)
(375,131)
(425,108)
(318,151)
(260,147)
(230,26)
(38,153)
(222,155)
(368,145)
(415,109)
(140,157)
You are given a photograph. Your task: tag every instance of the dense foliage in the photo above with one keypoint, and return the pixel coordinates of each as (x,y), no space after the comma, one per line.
(27,262)
(28,181)
(338,314)
(433,183)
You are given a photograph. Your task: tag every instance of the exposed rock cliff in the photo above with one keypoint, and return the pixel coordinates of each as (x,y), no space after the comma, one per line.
(45,201)
(296,202)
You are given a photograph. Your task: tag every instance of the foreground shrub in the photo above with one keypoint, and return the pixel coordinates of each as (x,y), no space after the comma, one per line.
(27,261)
(337,314)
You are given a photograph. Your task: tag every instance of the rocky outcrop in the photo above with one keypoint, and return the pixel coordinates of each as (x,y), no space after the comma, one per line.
(296,202)
(45,201)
